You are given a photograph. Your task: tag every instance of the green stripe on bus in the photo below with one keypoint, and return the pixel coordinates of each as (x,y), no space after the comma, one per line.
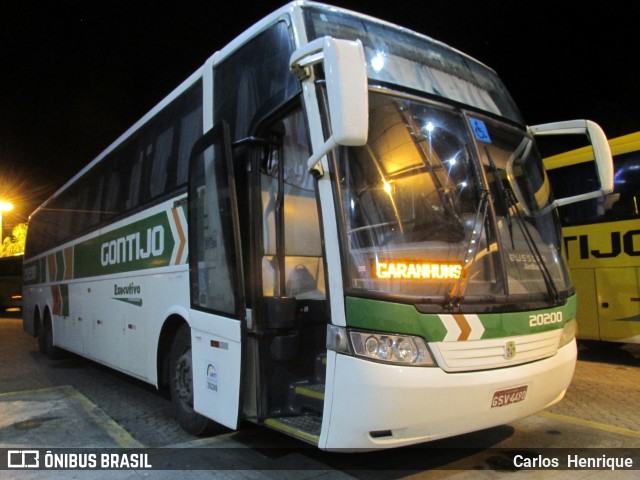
(148,243)
(392,317)
(400,318)
(138,246)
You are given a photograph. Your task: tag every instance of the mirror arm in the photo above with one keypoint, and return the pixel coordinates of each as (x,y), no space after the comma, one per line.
(577,198)
(601,150)
(347,91)
(306,56)
(314,164)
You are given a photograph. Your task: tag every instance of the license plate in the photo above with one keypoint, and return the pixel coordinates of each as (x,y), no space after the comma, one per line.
(509,396)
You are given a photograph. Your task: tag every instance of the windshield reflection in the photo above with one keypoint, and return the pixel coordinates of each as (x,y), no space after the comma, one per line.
(428,208)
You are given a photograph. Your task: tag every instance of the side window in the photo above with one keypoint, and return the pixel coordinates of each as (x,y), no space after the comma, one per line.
(152,162)
(190,131)
(258,74)
(622,204)
(122,183)
(159,152)
(171,138)
(111,193)
(292,262)
(135,181)
(92,194)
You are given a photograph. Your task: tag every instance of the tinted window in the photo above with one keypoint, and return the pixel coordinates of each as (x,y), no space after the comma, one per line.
(623,203)
(258,75)
(149,165)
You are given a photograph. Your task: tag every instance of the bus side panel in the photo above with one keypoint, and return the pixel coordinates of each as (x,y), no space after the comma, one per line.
(604,259)
(619,304)
(122,318)
(584,281)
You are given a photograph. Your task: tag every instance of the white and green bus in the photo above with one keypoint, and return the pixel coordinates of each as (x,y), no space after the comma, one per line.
(336,227)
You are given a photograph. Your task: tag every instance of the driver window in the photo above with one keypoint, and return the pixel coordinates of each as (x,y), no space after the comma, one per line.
(292,263)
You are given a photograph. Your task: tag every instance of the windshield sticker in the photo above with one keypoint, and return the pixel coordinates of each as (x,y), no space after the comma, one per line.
(480,130)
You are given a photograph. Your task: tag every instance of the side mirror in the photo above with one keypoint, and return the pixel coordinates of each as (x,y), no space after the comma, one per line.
(601,151)
(345,70)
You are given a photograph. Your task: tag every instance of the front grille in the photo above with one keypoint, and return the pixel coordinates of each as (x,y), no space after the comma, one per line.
(465,356)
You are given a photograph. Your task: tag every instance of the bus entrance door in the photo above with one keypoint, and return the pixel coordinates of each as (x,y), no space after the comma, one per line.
(217,301)
(294,313)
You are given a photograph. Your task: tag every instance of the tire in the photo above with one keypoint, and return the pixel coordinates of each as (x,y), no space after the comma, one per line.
(42,344)
(45,340)
(181,386)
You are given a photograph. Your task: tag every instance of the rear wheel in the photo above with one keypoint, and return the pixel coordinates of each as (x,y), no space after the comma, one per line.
(45,339)
(181,385)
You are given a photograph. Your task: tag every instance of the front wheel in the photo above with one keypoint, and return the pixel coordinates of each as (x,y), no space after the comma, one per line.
(181,386)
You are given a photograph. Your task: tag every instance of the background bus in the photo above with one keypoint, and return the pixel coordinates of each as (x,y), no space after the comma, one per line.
(602,240)
(336,227)
(11,284)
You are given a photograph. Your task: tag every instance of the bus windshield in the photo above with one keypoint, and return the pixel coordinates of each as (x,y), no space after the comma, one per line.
(401,57)
(428,208)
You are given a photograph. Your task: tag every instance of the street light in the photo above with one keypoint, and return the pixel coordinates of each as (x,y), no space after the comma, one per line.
(4,207)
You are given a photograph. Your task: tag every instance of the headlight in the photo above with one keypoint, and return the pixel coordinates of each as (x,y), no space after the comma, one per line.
(391,348)
(568,332)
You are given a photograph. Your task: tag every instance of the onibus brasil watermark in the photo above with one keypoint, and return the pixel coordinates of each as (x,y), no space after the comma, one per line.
(51,460)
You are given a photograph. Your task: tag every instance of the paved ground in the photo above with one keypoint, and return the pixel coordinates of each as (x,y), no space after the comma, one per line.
(77,403)
(605,386)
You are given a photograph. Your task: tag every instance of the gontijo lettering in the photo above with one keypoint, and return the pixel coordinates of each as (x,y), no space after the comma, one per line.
(133,247)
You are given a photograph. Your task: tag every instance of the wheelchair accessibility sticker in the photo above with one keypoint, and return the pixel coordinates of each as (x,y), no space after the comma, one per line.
(480,130)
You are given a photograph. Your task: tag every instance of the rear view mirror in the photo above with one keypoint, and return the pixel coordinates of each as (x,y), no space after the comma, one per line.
(601,151)
(346,76)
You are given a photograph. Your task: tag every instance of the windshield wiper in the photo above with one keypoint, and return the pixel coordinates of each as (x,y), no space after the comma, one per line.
(533,248)
(504,196)
(511,203)
(459,289)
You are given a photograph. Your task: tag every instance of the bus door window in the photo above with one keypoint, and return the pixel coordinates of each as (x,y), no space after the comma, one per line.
(214,263)
(293,281)
(292,263)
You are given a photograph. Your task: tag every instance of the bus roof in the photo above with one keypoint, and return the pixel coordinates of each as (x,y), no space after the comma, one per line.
(619,145)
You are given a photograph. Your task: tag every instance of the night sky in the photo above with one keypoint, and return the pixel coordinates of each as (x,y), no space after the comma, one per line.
(75,74)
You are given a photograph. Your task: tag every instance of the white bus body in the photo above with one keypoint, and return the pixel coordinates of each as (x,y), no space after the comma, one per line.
(338,254)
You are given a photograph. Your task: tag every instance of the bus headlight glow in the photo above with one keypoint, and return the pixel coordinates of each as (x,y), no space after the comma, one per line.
(569,332)
(384,347)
